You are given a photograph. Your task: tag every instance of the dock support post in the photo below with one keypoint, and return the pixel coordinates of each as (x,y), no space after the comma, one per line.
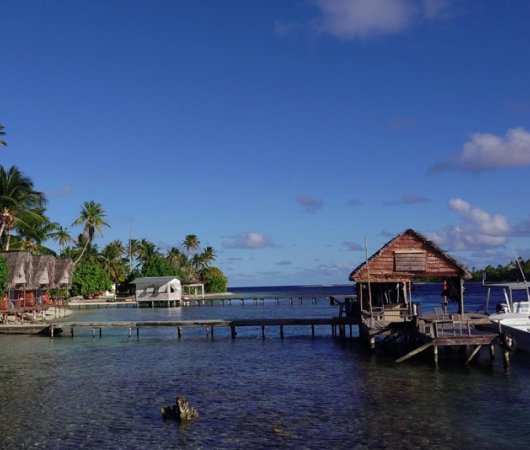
(100,332)
(312,330)
(506,360)
(435,354)
(233,332)
(72,332)
(372,343)
(179,332)
(137,332)
(263,332)
(129,332)
(52,330)
(211,330)
(492,352)
(281,331)
(93,332)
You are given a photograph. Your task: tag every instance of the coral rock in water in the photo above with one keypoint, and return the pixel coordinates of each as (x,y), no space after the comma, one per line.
(181,411)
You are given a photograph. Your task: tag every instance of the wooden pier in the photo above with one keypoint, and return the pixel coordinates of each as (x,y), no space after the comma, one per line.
(213,300)
(430,331)
(338,325)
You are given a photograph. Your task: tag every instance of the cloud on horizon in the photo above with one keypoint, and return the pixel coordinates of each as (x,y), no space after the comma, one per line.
(478,229)
(310,204)
(484,151)
(362,19)
(249,240)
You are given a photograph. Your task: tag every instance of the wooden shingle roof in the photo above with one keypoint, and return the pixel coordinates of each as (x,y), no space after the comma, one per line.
(406,256)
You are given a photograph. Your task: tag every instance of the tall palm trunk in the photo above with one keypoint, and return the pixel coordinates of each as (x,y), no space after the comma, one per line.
(82,253)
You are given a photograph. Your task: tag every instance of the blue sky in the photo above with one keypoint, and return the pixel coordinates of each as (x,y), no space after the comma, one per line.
(282,133)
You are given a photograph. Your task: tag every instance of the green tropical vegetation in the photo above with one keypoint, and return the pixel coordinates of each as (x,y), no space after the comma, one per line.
(21,206)
(25,226)
(513,271)
(89,279)
(3,277)
(2,134)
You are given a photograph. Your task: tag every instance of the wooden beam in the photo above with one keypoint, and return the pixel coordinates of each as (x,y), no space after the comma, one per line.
(415,352)
(477,348)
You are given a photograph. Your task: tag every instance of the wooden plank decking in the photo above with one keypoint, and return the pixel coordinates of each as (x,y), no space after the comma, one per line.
(338,325)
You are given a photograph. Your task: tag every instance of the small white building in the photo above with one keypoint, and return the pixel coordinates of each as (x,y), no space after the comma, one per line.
(158,290)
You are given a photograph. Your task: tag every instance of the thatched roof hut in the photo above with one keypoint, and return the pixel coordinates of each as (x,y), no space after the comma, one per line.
(64,269)
(29,272)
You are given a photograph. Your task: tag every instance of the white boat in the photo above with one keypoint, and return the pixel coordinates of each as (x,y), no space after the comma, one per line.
(513,315)
(516,297)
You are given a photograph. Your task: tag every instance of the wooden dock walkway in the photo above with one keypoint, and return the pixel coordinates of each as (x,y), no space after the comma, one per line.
(338,325)
(213,300)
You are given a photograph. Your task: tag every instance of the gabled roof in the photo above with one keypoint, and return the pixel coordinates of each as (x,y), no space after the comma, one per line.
(381,266)
(34,267)
(154,281)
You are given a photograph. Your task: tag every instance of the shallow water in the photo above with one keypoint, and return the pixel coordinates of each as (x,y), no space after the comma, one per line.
(299,392)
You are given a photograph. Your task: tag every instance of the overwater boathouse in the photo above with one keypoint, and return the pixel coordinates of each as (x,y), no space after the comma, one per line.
(385,308)
(158,291)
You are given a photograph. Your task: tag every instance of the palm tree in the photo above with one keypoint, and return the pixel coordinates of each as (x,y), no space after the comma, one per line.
(20,204)
(207,256)
(146,252)
(2,133)
(132,249)
(176,258)
(112,260)
(32,235)
(191,241)
(62,236)
(91,217)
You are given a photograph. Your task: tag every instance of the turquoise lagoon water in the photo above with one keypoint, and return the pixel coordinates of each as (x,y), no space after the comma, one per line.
(299,392)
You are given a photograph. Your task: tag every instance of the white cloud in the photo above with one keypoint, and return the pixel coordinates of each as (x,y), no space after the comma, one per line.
(487,151)
(352,19)
(435,8)
(250,239)
(363,18)
(478,230)
(490,224)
